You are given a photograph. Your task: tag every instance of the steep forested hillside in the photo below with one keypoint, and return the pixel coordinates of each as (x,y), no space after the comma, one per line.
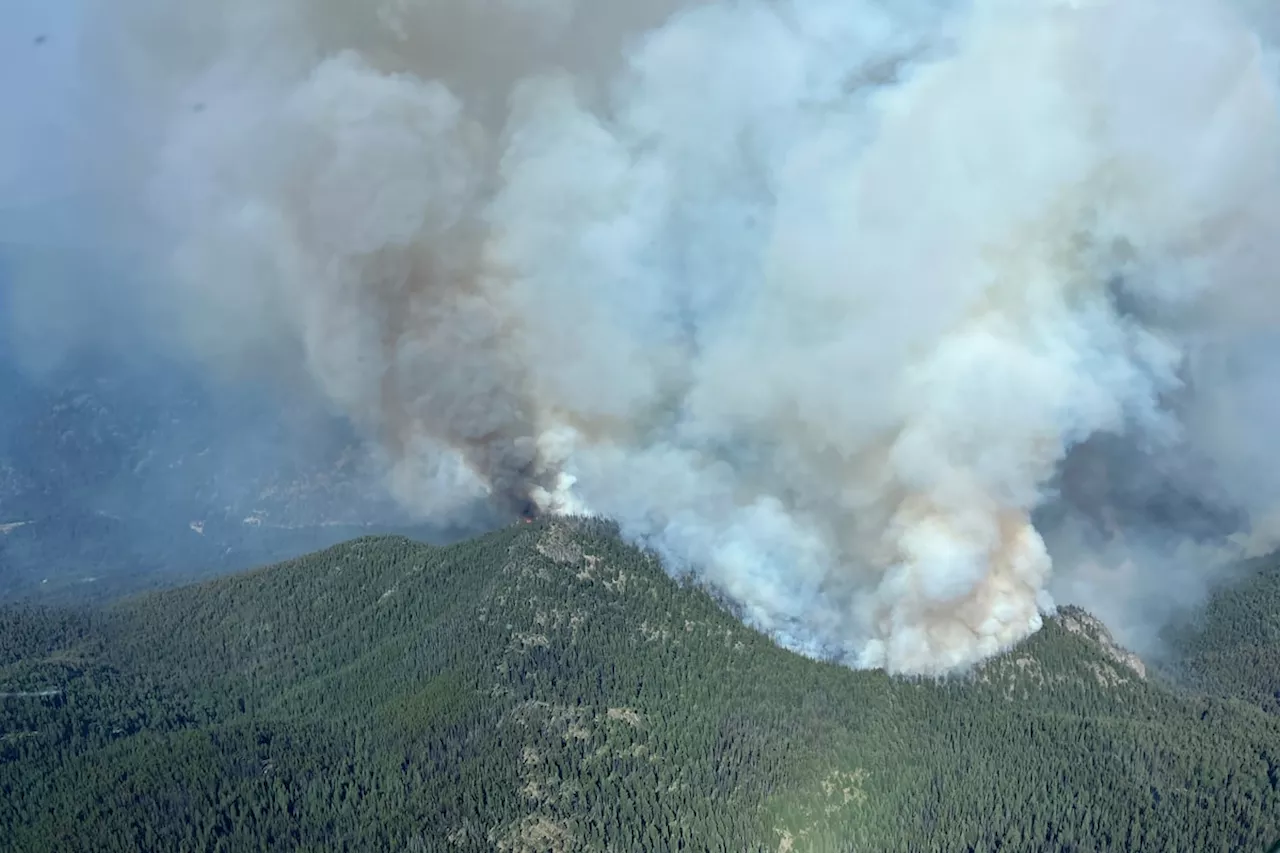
(547,688)
(1233,647)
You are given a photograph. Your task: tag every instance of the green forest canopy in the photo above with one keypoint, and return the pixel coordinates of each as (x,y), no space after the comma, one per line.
(548,688)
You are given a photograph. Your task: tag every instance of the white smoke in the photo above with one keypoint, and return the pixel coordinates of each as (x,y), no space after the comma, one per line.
(815,297)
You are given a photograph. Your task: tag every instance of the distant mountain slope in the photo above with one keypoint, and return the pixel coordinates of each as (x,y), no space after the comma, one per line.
(547,688)
(1233,648)
(119,477)
(159,444)
(76,558)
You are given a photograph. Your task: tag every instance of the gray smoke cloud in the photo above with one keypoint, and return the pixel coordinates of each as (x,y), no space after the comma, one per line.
(894,321)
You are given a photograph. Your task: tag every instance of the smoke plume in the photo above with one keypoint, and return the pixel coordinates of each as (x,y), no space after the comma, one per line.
(888,319)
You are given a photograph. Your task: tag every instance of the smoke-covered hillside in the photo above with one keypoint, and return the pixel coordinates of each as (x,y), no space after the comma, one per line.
(151,445)
(114,478)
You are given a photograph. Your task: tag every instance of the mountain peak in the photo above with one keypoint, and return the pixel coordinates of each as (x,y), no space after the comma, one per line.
(1080,622)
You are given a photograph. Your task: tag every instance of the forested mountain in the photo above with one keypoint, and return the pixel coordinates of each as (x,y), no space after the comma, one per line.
(548,688)
(1233,647)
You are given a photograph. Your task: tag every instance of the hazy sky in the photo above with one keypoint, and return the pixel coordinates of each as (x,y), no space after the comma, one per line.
(37,54)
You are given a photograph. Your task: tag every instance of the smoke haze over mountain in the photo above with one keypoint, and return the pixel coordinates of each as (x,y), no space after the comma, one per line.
(894,321)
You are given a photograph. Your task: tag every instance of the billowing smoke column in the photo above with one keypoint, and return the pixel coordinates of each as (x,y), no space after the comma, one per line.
(815,297)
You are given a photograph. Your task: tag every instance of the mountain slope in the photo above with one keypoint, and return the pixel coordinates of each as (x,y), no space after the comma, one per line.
(120,476)
(546,687)
(1233,648)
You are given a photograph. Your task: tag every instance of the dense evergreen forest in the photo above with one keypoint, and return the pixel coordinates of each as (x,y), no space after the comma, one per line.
(548,688)
(1233,648)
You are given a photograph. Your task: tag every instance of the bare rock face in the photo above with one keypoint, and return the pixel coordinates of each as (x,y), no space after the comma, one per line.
(557,545)
(1079,622)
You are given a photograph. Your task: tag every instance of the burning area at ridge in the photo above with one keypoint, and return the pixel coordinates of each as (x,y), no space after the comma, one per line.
(816,298)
